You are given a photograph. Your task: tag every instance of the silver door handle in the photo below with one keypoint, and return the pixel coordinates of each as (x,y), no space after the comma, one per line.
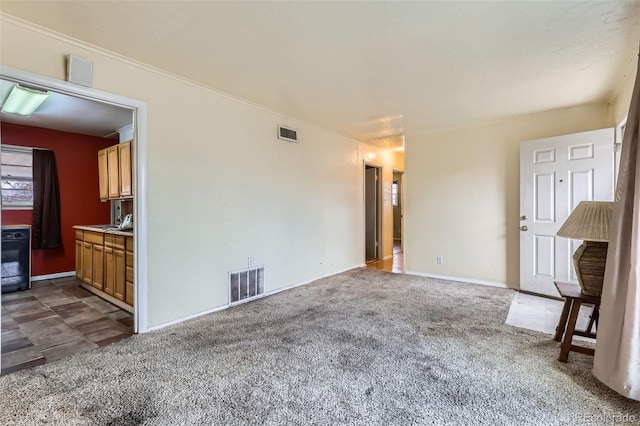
(524,228)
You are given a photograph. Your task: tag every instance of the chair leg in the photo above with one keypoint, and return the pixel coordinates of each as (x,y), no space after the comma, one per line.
(562,324)
(593,318)
(568,335)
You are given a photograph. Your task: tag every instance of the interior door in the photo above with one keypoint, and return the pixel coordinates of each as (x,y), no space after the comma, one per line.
(555,175)
(371,212)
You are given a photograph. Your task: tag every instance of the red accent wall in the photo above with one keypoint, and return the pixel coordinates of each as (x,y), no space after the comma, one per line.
(77,161)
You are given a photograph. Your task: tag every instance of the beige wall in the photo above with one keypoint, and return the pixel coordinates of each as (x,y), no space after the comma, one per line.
(462,191)
(620,104)
(296,208)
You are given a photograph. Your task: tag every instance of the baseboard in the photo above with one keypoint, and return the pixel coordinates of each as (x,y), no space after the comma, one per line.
(53,276)
(387,257)
(458,279)
(269,293)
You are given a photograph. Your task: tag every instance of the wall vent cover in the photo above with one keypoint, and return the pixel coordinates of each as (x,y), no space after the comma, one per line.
(287,134)
(246,284)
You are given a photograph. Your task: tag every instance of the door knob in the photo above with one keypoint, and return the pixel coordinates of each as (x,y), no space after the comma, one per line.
(523,217)
(524,228)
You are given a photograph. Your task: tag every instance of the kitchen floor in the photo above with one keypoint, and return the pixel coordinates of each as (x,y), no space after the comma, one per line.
(54,319)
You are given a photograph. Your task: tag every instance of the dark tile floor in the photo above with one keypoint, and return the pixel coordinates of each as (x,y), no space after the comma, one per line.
(54,319)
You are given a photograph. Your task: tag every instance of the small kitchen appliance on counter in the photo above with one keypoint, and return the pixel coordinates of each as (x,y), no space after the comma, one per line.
(16,258)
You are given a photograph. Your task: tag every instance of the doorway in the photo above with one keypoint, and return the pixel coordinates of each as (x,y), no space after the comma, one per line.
(372,212)
(397,203)
(556,174)
(63,283)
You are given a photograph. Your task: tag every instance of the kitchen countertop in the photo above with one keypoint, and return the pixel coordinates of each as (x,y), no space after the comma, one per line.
(105,229)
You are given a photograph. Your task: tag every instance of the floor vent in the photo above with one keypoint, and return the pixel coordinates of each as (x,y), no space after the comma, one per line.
(246,284)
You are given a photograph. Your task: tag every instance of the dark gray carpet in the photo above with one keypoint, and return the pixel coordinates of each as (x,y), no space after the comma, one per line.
(362,347)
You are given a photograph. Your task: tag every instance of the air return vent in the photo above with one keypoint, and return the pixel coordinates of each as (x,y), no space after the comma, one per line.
(246,284)
(287,134)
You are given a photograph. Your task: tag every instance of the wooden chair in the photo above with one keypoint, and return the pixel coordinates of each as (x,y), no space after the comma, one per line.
(574,298)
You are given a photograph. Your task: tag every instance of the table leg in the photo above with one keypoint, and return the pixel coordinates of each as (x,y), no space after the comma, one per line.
(562,324)
(568,335)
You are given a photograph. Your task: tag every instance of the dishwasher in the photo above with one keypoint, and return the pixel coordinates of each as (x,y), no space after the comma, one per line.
(16,258)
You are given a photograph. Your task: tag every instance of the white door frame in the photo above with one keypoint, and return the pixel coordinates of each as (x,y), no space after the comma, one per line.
(401,195)
(139,164)
(379,206)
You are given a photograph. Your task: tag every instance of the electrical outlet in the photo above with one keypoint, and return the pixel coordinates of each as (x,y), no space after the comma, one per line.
(439,260)
(250,262)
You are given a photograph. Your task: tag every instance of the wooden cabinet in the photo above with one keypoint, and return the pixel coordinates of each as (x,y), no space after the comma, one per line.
(79,241)
(104,260)
(90,258)
(87,263)
(109,270)
(103,170)
(129,271)
(115,267)
(97,252)
(124,161)
(115,173)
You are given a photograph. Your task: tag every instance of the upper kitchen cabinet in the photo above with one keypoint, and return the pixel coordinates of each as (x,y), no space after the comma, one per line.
(103,174)
(124,157)
(114,168)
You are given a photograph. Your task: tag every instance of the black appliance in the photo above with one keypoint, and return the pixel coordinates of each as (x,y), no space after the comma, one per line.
(16,258)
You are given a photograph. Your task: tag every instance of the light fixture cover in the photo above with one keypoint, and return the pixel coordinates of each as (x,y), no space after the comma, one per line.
(23,101)
(590,221)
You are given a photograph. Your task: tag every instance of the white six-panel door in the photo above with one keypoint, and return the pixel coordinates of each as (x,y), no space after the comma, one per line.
(555,175)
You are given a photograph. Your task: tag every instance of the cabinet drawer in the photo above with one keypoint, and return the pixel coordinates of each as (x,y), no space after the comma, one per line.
(79,234)
(93,237)
(129,293)
(129,243)
(129,275)
(129,259)
(115,241)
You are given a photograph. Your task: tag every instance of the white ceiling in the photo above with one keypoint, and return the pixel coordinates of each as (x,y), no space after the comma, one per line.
(70,114)
(373,71)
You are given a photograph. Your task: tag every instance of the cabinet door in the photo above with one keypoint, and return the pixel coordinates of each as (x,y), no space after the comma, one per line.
(98,266)
(109,271)
(87,263)
(129,293)
(113,171)
(79,259)
(103,174)
(124,156)
(119,285)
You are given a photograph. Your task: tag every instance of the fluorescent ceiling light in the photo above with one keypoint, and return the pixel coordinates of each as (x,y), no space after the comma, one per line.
(23,101)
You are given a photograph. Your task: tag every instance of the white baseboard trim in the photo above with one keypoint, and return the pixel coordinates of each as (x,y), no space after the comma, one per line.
(458,279)
(387,257)
(269,293)
(53,276)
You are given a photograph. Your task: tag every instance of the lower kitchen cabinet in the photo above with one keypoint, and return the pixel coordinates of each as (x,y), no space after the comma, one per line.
(115,265)
(97,252)
(105,262)
(129,271)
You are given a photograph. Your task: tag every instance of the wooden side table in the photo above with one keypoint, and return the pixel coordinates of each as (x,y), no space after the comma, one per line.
(574,298)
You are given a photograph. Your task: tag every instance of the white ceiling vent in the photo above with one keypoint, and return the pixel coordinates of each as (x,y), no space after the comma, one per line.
(287,134)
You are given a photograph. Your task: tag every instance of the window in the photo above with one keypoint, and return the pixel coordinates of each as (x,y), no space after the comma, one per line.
(394,193)
(17,177)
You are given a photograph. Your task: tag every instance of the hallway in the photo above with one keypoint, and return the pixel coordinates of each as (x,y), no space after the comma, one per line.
(395,264)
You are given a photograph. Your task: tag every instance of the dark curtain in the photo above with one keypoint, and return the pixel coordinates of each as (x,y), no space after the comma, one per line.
(46,201)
